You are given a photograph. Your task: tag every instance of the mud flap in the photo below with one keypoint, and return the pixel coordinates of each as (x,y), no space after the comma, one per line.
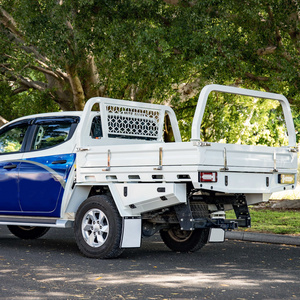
(131,233)
(216,235)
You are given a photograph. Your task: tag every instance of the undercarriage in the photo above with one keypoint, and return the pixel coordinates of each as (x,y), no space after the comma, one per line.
(203,211)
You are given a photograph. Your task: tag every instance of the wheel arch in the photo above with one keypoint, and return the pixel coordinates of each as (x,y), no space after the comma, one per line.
(82,192)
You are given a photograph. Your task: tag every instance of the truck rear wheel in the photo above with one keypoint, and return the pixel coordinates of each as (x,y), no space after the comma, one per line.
(184,241)
(98,228)
(27,232)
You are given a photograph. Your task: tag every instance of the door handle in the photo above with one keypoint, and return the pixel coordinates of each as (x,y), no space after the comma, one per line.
(59,162)
(9,167)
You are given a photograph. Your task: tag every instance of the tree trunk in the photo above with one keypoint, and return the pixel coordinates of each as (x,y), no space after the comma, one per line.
(77,89)
(61,92)
(168,131)
(2,121)
(90,82)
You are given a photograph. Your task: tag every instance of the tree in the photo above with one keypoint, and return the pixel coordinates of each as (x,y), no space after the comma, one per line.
(236,119)
(269,43)
(255,44)
(150,50)
(75,50)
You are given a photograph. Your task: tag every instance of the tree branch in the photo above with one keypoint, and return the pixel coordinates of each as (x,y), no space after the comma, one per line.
(20,89)
(277,32)
(183,3)
(7,20)
(256,78)
(16,36)
(267,50)
(37,85)
(56,74)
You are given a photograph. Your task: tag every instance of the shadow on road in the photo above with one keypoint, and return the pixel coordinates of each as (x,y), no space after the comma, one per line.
(53,268)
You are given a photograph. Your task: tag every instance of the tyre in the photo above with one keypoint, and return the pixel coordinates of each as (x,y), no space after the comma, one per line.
(98,228)
(184,241)
(28,232)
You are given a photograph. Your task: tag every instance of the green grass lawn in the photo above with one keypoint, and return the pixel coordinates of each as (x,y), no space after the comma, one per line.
(272,221)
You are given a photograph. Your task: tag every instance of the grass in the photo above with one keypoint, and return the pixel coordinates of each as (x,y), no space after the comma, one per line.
(287,195)
(272,221)
(275,221)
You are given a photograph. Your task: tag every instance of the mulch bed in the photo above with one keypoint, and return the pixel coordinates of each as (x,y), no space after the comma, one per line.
(279,205)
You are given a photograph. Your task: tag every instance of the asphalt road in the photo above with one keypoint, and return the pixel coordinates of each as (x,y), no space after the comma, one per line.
(52,268)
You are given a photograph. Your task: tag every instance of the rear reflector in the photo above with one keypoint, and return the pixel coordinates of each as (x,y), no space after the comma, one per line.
(208,176)
(286,178)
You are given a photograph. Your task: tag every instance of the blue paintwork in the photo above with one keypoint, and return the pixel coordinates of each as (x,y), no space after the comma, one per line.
(41,184)
(9,188)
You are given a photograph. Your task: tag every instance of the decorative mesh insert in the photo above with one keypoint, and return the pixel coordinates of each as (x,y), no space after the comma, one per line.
(132,122)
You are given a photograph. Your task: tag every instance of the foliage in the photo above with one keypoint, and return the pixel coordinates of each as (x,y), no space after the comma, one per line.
(254,45)
(237,119)
(75,50)
(28,102)
(67,51)
(11,140)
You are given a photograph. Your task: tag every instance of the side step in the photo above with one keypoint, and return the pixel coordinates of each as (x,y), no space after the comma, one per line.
(35,221)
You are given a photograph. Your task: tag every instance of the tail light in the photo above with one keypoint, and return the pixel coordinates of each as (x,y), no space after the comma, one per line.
(208,176)
(286,178)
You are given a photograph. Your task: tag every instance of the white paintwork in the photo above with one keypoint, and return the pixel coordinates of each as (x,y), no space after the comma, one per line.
(216,235)
(146,196)
(84,127)
(140,164)
(132,233)
(144,175)
(47,115)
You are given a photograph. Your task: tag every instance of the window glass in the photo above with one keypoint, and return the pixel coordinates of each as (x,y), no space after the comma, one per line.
(96,129)
(11,139)
(50,135)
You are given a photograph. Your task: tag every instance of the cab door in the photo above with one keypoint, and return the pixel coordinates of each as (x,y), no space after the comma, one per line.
(44,170)
(12,144)
(9,172)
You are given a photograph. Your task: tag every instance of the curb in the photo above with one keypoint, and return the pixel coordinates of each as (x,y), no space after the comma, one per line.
(263,238)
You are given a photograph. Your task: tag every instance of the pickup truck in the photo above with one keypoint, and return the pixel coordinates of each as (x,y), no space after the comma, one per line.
(107,173)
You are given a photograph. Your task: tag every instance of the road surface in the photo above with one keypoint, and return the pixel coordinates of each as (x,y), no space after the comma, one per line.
(53,268)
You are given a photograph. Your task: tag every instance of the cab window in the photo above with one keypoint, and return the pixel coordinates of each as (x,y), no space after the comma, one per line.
(51,134)
(11,138)
(96,129)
